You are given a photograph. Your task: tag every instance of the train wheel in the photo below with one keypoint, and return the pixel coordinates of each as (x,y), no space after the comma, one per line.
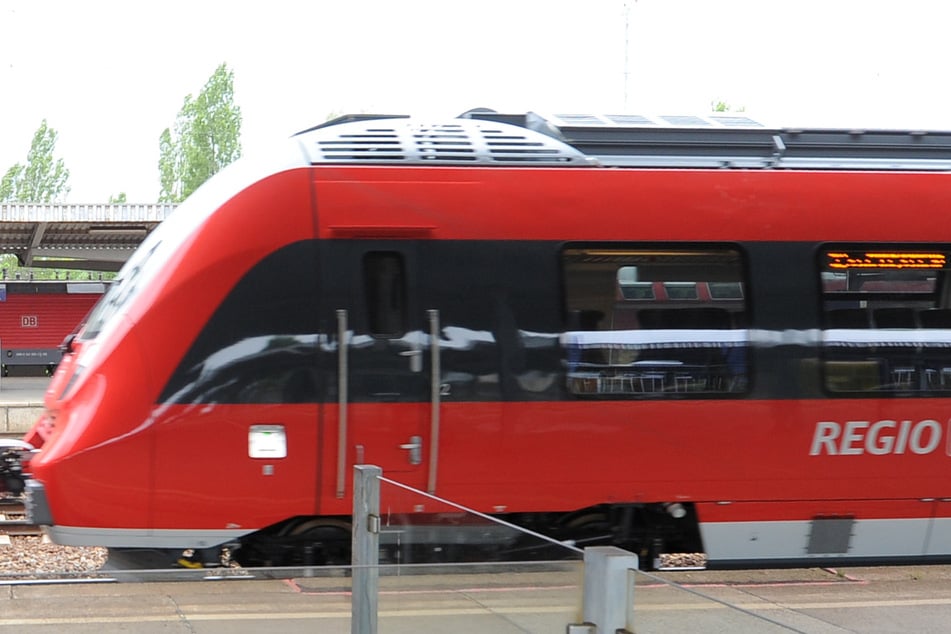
(596,529)
(581,530)
(324,542)
(590,529)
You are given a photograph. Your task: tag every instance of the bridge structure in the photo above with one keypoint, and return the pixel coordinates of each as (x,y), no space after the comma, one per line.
(95,237)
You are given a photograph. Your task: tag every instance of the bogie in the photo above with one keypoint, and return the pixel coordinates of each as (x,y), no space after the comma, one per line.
(648,530)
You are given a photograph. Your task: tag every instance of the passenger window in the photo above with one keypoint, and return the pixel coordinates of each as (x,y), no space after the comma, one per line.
(655,322)
(384,281)
(886,321)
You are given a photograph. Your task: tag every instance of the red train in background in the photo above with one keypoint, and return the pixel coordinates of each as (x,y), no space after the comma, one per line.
(710,336)
(36,316)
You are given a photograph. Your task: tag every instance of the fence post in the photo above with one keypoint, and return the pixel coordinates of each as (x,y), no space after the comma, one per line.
(365,549)
(609,588)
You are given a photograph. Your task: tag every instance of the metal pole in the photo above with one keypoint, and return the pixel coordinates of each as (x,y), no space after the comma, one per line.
(365,549)
(609,588)
(435,398)
(342,397)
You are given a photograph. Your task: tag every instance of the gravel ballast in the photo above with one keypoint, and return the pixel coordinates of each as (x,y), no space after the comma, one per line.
(31,556)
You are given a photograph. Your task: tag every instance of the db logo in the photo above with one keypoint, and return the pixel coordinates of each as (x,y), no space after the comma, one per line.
(29,321)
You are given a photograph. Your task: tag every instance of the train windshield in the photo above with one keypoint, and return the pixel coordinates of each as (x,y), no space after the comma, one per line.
(122,290)
(165,243)
(159,248)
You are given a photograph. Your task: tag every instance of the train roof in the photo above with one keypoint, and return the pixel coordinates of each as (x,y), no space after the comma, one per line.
(724,140)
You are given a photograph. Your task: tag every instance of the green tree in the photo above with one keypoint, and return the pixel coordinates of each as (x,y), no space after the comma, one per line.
(206,138)
(719,105)
(118,199)
(42,179)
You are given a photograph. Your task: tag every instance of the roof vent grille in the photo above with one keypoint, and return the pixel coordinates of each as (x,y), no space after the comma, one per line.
(459,142)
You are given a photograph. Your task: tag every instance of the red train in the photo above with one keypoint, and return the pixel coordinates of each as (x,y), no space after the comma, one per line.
(717,338)
(35,317)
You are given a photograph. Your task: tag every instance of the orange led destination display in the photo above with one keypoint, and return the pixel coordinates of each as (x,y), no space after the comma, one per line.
(840,260)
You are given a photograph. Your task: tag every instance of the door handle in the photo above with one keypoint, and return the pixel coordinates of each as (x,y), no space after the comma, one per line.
(415,448)
(415,359)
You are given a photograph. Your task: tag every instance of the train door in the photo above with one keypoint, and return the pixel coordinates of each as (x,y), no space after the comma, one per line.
(383,369)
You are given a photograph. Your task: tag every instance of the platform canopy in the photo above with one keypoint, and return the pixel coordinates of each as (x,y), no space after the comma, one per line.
(73,236)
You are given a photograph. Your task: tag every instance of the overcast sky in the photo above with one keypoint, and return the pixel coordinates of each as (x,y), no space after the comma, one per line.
(110,76)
